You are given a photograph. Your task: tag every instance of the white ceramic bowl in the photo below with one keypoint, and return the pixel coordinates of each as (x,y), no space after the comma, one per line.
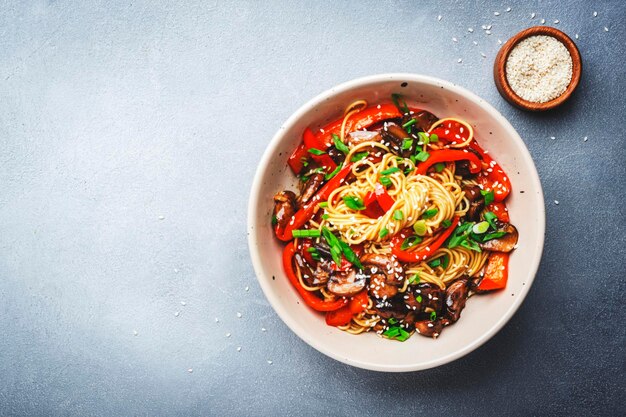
(483,315)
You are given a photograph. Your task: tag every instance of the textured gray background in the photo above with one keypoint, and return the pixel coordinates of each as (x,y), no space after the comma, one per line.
(130,132)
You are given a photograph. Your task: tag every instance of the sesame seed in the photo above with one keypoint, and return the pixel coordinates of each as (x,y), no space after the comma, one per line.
(488,32)
(455,40)
(576,36)
(217,320)
(176,313)
(247,289)
(190,370)
(532,15)
(475,43)
(556,202)
(227,335)
(496,13)
(238,348)
(595,14)
(543,21)
(459,60)
(182,303)
(488,27)
(556,21)
(508,9)
(470,30)
(606,29)
(269,362)
(161,217)
(263,329)
(239,315)
(585,139)
(499,42)
(135,332)
(483,55)
(552,137)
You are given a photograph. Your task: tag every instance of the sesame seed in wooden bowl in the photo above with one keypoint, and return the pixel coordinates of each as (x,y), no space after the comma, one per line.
(535,73)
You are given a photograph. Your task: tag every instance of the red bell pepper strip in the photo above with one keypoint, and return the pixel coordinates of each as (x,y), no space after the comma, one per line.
(343,316)
(418,256)
(383,198)
(449,130)
(496,272)
(304,250)
(297,159)
(361,120)
(449,155)
(308,210)
(496,180)
(309,297)
(372,208)
(311,142)
(500,210)
(345,264)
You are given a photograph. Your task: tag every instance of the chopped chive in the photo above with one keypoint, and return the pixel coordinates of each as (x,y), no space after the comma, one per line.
(316,256)
(274,220)
(386,181)
(311,249)
(409,123)
(480,228)
(404,335)
(390,171)
(490,216)
(410,242)
(422,156)
(358,156)
(408,170)
(446,223)
(333,173)
(355,203)
(304,178)
(420,227)
(430,213)
(391,332)
(398,215)
(495,235)
(407,143)
(440,166)
(340,145)
(419,298)
(433,137)
(433,316)
(423,138)
(434,263)
(414,279)
(325,216)
(323,204)
(395,97)
(488,196)
(445,261)
(392,321)
(305,163)
(315,151)
(306,233)
(383,232)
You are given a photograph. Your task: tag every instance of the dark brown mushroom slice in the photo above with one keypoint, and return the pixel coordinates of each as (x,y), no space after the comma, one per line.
(382,264)
(390,308)
(393,136)
(505,243)
(381,289)
(430,296)
(429,328)
(312,278)
(346,283)
(336,155)
(361,136)
(462,168)
(456,296)
(310,187)
(424,120)
(285,206)
(476,200)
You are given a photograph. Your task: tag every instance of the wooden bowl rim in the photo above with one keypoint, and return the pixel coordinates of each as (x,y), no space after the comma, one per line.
(500,68)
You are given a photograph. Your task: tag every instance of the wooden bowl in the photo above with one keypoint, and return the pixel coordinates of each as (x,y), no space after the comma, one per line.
(499,69)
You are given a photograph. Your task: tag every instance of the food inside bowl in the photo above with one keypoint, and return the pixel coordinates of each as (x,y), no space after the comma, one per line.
(400,217)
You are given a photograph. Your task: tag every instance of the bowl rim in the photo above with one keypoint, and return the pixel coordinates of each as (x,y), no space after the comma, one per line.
(269,153)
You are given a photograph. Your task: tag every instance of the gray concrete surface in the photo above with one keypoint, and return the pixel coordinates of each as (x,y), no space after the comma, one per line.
(130,131)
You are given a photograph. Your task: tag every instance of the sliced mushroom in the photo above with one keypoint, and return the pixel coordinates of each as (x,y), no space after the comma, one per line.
(310,187)
(505,243)
(360,136)
(346,283)
(336,155)
(390,308)
(383,264)
(424,120)
(284,207)
(477,202)
(310,277)
(425,298)
(380,288)
(429,328)
(456,296)
(393,136)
